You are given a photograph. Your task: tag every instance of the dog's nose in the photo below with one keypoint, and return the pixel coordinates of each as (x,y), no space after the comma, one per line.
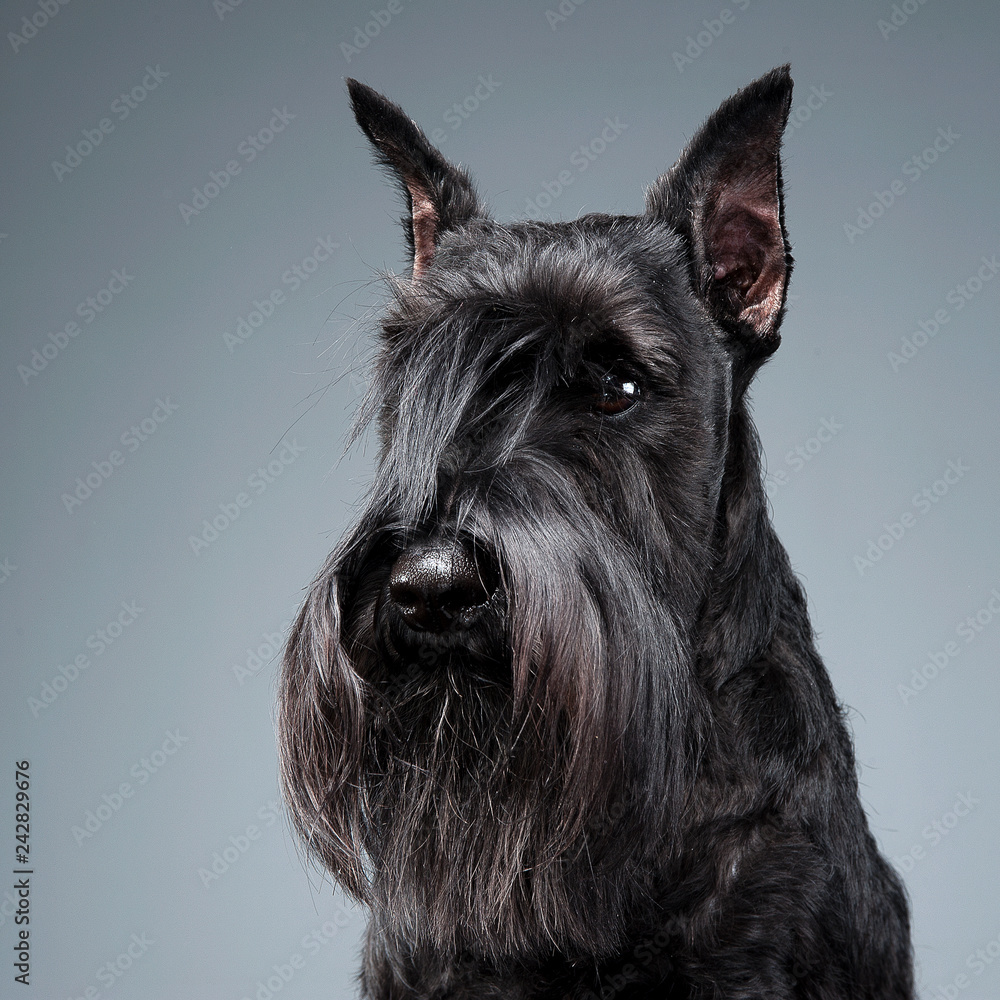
(440,586)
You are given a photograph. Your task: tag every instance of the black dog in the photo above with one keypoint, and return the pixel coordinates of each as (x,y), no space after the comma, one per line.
(552,709)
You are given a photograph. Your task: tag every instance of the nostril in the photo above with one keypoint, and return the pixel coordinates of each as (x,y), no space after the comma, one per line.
(404,595)
(458,598)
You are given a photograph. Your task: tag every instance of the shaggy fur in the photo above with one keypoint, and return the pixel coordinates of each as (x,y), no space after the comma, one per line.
(552,709)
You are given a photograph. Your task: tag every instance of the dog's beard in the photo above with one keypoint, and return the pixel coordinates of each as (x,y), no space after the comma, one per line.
(500,823)
(518,806)
(470,833)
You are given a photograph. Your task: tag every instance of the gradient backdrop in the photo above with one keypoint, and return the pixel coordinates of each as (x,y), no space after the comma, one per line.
(190,235)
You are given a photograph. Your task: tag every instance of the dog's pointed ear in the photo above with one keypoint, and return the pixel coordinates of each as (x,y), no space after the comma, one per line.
(439,196)
(724,194)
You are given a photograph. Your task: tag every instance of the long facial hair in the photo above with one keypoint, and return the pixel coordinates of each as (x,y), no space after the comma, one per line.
(515,792)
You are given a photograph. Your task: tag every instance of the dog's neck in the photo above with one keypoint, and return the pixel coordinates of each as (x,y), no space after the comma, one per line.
(753,587)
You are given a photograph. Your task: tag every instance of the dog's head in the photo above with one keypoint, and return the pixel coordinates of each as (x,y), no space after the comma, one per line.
(493,698)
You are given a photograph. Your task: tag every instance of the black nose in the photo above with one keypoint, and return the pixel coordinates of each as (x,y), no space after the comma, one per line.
(441,586)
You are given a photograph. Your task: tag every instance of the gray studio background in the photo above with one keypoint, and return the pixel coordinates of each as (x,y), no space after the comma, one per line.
(138,641)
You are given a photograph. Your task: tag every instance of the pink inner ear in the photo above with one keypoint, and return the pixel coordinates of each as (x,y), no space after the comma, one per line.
(425,224)
(747,255)
(765,299)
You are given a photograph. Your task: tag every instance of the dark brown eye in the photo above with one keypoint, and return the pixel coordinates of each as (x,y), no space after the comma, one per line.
(615,395)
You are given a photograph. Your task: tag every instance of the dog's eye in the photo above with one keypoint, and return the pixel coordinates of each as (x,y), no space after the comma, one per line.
(615,394)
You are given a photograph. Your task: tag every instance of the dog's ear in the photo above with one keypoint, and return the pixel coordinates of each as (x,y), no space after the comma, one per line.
(724,194)
(439,196)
